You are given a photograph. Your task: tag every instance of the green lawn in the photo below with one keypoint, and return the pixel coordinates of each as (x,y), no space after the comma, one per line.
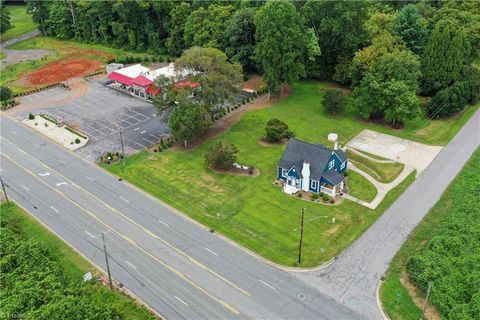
(74,265)
(252,210)
(59,49)
(20,20)
(383,172)
(360,188)
(454,211)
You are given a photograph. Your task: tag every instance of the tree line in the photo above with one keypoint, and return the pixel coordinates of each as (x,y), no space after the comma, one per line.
(388,52)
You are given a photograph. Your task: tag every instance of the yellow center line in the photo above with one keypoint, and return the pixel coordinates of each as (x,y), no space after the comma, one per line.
(230,308)
(150,233)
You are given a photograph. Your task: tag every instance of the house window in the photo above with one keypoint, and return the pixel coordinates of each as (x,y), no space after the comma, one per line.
(342,166)
(313,184)
(331,164)
(284,173)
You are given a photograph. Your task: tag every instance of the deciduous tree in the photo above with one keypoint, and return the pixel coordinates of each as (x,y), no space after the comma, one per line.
(187,121)
(280,43)
(221,156)
(333,100)
(276,131)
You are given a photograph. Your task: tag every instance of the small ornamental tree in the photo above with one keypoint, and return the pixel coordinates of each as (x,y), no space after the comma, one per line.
(333,100)
(276,131)
(5,93)
(221,156)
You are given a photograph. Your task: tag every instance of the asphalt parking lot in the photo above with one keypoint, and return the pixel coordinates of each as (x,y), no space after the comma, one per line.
(101,113)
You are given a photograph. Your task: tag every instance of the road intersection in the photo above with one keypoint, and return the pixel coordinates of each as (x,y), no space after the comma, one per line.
(182,270)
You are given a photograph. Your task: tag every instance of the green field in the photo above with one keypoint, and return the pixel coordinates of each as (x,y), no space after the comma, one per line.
(252,210)
(40,254)
(446,244)
(20,20)
(360,188)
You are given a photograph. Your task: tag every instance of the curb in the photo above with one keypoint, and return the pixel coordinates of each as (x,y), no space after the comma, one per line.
(379,302)
(124,288)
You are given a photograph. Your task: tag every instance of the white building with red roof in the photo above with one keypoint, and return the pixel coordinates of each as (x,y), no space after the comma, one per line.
(138,80)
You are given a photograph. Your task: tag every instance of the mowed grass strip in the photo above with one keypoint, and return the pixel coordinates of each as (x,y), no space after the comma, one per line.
(252,210)
(74,265)
(383,172)
(450,212)
(20,20)
(360,188)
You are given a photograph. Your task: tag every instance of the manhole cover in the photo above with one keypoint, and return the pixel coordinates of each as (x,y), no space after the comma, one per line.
(301,296)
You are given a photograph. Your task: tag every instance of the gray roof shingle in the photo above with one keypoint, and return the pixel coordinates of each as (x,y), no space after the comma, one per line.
(334,177)
(297,151)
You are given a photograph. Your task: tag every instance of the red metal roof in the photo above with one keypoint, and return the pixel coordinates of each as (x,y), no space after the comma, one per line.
(142,81)
(120,78)
(187,84)
(153,90)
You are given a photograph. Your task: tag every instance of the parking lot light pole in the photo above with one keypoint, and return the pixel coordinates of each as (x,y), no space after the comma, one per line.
(123,148)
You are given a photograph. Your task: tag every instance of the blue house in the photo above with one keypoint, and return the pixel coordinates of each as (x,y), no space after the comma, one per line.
(312,168)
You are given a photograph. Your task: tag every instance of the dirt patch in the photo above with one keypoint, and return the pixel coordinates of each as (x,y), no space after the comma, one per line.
(264,143)
(58,71)
(431,313)
(333,230)
(223,125)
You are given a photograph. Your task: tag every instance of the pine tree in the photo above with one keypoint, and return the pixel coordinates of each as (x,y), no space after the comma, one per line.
(411,28)
(444,56)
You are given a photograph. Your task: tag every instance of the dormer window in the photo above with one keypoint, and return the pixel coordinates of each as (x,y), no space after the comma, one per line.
(284,173)
(331,164)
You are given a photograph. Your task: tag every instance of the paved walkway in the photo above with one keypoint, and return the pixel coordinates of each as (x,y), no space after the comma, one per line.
(16,56)
(354,277)
(382,188)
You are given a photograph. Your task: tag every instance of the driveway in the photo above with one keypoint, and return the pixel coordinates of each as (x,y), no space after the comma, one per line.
(410,153)
(100,113)
(16,56)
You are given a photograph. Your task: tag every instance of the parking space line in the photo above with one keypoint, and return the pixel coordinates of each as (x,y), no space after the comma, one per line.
(143,147)
(151,142)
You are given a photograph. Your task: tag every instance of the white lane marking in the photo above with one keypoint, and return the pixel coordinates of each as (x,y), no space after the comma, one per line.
(89,178)
(130,264)
(13,132)
(58,184)
(143,132)
(44,174)
(263,282)
(126,200)
(24,187)
(91,235)
(181,301)
(53,208)
(165,224)
(136,129)
(211,251)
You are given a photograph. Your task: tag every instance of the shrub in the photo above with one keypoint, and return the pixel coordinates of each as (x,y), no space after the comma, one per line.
(315,196)
(333,100)
(299,195)
(332,200)
(277,131)
(77,141)
(5,93)
(221,156)
(45,124)
(450,100)
(31,116)
(325,197)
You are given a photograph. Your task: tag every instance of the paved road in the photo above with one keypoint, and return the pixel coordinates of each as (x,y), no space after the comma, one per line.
(353,278)
(177,267)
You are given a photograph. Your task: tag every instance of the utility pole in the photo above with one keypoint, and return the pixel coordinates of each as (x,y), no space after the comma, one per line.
(106,261)
(301,237)
(123,148)
(426,300)
(3,187)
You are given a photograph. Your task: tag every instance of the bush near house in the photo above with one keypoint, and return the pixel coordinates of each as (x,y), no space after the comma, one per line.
(333,100)
(276,131)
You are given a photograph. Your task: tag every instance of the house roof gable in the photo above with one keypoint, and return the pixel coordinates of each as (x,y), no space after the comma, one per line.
(333,177)
(298,151)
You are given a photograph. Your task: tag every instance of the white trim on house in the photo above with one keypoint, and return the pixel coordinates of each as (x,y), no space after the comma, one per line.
(284,173)
(313,184)
(328,191)
(343,165)
(331,164)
